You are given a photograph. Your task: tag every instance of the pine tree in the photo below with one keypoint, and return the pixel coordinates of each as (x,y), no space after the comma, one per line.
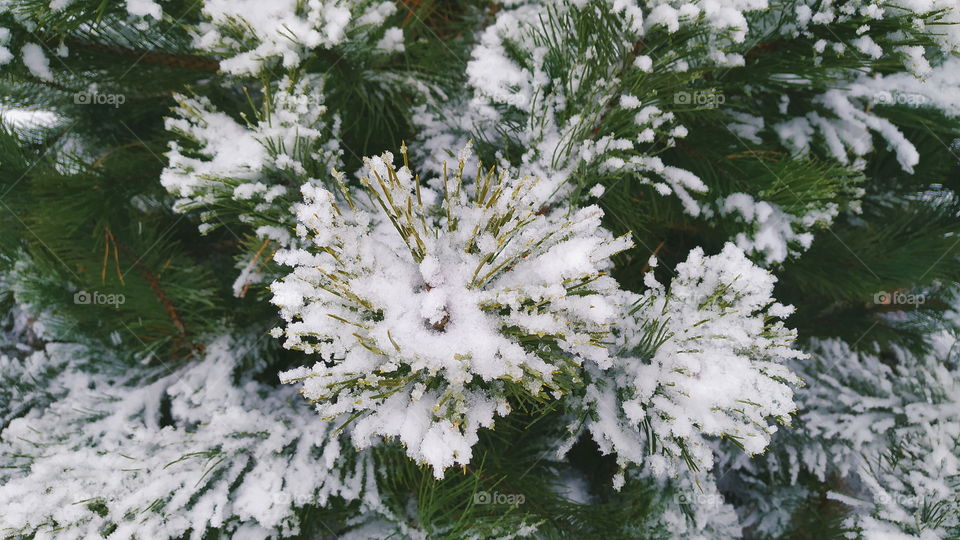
(445,269)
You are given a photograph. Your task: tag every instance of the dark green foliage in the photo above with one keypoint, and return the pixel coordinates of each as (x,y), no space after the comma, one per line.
(81,209)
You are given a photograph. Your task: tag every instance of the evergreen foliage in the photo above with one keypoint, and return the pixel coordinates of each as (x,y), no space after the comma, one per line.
(536,268)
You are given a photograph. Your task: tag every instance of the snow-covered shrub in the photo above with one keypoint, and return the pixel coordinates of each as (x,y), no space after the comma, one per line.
(253,170)
(762,153)
(704,358)
(882,430)
(892,425)
(198,447)
(430,311)
(257,35)
(581,112)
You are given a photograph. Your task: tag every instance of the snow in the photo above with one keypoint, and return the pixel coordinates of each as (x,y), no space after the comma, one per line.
(142,8)
(412,303)
(943,32)
(103,441)
(849,130)
(859,410)
(776,233)
(444,294)
(796,134)
(5,55)
(232,150)
(554,115)
(243,163)
(25,118)
(718,353)
(392,41)
(36,61)
(283,30)
(746,126)
(867,46)
(643,63)
(940,86)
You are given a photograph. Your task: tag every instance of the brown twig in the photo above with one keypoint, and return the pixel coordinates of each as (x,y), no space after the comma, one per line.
(250,265)
(157,290)
(106,254)
(646,266)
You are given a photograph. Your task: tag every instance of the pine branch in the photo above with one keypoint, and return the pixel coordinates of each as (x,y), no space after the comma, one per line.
(146,57)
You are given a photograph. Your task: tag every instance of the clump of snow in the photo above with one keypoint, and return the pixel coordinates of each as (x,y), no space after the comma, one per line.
(423,309)
(256,168)
(253,33)
(142,8)
(392,41)
(887,428)
(5,55)
(776,233)
(36,61)
(937,19)
(234,454)
(559,108)
(703,360)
